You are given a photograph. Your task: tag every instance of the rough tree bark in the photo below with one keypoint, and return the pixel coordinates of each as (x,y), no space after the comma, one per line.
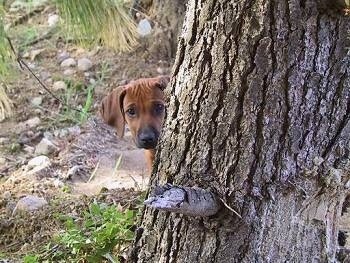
(167,16)
(259,109)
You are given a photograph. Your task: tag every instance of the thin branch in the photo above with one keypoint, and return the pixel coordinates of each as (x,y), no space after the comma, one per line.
(23,65)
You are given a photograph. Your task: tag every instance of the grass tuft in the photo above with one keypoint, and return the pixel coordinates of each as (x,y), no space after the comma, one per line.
(107,21)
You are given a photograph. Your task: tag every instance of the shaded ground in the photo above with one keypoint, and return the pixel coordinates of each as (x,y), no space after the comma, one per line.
(88,156)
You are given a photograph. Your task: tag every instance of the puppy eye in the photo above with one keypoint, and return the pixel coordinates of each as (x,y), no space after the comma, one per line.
(159,108)
(131,112)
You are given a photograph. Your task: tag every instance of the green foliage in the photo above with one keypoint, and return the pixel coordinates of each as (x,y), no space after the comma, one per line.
(31,259)
(100,235)
(5,51)
(93,21)
(89,98)
(69,113)
(25,35)
(102,230)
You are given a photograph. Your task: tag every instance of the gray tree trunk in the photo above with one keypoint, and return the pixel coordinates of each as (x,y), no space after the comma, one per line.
(167,16)
(259,110)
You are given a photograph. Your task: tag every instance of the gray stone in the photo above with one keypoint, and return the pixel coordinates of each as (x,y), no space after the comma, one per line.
(53,19)
(2,161)
(30,203)
(41,160)
(49,81)
(160,71)
(144,27)
(37,101)
(48,135)
(45,75)
(68,62)
(57,183)
(6,195)
(84,64)
(38,111)
(74,131)
(64,132)
(45,147)
(62,56)
(33,122)
(28,149)
(68,72)
(4,140)
(59,85)
(36,52)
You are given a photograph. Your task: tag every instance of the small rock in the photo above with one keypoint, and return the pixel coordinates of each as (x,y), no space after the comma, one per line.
(41,160)
(33,122)
(49,81)
(6,195)
(144,27)
(68,62)
(53,19)
(59,85)
(45,75)
(30,203)
(45,147)
(84,64)
(73,171)
(71,131)
(62,56)
(37,101)
(160,71)
(35,53)
(94,51)
(28,149)
(31,65)
(48,135)
(61,133)
(4,140)
(87,74)
(38,111)
(92,81)
(74,131)
(26,55)
(28,136)
(30,133)
(2,160)
(68,72)
(80,51)
(57,183)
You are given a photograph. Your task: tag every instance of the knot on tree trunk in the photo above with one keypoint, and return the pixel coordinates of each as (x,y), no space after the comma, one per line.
(191,201)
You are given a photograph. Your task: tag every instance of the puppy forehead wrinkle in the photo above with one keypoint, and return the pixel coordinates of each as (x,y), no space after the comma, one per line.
(142,89)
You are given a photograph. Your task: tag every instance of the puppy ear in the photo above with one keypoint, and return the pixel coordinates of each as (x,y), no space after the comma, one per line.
(162,81)
(112,110)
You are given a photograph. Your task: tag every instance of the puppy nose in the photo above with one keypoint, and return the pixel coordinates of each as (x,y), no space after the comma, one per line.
(147,139)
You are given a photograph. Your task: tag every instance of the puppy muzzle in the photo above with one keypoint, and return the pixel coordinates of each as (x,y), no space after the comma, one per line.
(147,138)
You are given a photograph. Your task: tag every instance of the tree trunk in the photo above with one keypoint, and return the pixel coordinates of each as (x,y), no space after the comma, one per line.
(259,110)
(167,16)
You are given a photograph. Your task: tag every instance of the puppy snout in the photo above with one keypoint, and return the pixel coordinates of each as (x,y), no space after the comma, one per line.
(148,138)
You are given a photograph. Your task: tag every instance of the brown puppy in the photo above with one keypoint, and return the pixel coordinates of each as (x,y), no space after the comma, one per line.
(141,105)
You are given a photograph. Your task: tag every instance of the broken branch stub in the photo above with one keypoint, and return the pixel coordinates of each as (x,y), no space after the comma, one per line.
(191,201)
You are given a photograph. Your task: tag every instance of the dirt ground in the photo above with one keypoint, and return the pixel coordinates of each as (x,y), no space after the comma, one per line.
(88,158)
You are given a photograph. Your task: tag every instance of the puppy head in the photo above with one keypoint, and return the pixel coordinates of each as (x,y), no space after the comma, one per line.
(140,104)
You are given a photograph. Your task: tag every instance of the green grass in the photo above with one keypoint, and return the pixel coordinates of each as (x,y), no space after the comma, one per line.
(92,21)
(71,112)
(102,233)
(5,51)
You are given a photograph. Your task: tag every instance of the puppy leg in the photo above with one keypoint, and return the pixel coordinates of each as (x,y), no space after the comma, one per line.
(149,154)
